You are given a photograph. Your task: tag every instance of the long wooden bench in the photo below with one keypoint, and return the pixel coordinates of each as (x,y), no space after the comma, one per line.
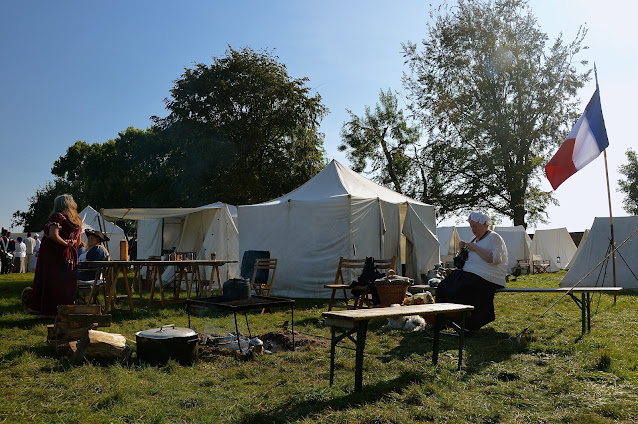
(584,303)
(353,324)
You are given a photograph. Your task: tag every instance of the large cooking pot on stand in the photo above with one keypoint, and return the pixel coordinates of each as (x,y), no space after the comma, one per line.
(158,345)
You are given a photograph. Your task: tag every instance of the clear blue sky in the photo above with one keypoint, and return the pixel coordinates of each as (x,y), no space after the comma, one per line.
(75,70)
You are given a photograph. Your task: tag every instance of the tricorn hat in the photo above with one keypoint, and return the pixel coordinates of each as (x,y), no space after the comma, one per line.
(97,234)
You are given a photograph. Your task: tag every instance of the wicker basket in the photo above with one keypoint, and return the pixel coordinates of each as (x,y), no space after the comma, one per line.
(391,291)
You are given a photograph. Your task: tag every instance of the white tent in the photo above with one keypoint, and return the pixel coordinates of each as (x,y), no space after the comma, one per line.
(517,242)
(578,249)
(337,213)
(92,220)
(465,233)
(449,243)
(202,230)
(595,250)
(552,245)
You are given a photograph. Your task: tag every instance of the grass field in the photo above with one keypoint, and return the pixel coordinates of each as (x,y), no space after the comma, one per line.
(558,377)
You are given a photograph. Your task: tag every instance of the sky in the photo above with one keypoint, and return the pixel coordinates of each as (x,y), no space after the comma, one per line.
(76,70)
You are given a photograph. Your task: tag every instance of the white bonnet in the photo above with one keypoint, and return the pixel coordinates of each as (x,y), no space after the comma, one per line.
(479,217)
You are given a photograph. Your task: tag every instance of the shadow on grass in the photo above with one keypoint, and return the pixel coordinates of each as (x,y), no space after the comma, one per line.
(307,409)
(482,349)
(41,351)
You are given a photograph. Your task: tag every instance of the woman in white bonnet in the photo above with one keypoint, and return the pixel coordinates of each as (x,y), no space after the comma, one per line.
(483,273)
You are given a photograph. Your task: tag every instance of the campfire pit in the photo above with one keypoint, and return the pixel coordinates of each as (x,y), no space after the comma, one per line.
(244,305)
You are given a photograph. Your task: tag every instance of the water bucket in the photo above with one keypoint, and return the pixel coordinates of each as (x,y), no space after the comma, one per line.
(236,288)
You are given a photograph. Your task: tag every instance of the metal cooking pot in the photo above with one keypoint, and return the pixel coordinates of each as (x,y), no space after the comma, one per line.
(158,345)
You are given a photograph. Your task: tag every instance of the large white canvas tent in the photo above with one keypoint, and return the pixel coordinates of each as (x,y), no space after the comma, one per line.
(449,243)
(92,220)
(517,242)
(579,248)
(552,245)
(597,247)
(201,230)
(337,213)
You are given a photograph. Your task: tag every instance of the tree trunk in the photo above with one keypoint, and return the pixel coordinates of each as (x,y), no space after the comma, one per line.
(519,214)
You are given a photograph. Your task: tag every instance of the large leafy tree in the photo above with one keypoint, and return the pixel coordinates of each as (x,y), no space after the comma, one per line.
(254,127)
(495,99)
(131,170)
(629,186)
(385,139)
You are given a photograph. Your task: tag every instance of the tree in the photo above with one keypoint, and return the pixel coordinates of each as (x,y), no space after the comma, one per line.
(495,102)
(133,169)
(254,128)
(40,206)
(630,186)
(383,137)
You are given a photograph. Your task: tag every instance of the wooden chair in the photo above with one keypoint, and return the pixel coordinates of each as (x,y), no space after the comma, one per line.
(525,265)
(91,288)
(339,283)
(362,293)
(264,264)
(540,265)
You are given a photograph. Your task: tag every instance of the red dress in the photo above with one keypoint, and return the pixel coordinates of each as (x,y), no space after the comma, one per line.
(55,278)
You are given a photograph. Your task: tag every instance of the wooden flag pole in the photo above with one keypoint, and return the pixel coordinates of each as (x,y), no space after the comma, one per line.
(611,223)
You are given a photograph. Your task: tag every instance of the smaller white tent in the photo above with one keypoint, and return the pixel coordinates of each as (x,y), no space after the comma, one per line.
(201,230)
(92,220)
(449,242)
(555,245)
(596,248)
(517,242)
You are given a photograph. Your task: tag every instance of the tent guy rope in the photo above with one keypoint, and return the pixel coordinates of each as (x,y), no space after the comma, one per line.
(522,333)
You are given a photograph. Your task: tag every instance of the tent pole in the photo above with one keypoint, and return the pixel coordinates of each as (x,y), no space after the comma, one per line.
(611,223)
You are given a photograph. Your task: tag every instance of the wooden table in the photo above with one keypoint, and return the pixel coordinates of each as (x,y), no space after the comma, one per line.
(584,303)
(112,269)
(355,322)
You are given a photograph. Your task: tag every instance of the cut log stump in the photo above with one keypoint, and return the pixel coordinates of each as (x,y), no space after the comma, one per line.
(101,346)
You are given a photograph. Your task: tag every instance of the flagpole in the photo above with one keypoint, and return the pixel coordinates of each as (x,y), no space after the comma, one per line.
(611,219)
(611,223)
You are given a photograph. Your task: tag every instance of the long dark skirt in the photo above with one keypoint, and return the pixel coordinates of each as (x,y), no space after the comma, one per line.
(469,289)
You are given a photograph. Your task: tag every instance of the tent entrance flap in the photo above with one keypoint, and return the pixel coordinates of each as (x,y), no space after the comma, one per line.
(403,210)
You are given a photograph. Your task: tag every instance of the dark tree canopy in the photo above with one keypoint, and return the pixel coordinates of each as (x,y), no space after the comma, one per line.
(384,138)
(495,100)
(629,186)
(256,124)
(239,131)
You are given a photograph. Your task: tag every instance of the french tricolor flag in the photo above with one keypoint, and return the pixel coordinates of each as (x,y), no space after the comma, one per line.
(584,143)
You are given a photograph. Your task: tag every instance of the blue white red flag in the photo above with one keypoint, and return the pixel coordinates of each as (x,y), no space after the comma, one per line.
(584,143)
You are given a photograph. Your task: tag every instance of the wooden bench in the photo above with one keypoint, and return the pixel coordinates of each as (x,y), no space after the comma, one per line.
(353,324)
(339,283)
(584,303)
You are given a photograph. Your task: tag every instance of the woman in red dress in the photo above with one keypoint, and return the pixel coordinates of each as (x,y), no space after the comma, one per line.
(55,278)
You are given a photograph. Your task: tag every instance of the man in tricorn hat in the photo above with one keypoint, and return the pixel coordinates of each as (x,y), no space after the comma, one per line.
(94,252)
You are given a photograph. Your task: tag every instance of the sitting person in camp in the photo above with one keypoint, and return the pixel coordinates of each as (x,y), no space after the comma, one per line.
(482,274)
(94,251)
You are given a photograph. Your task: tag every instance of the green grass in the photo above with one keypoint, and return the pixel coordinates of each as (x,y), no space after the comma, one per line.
(558,377)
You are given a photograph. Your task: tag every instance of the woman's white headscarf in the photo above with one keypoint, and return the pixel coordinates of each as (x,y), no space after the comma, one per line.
(479,217)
